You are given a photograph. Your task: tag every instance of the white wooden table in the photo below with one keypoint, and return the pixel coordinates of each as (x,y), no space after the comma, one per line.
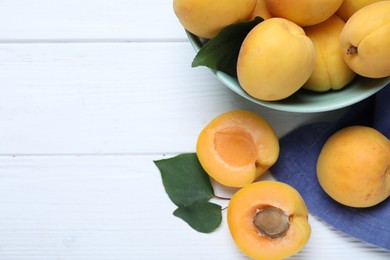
(91,92)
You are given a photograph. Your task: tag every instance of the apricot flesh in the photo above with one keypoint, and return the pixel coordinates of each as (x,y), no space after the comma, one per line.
(353,167)
(284,227)
(237,147)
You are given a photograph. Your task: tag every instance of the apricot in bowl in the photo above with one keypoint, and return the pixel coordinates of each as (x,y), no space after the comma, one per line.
(268,220)
(237,147)
(206,18)
(303,101)
(262,75)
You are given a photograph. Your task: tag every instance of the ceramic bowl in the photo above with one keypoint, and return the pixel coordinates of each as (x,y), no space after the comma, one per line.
(305,101)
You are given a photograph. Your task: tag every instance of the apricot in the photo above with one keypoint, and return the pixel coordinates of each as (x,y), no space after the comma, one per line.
(261,10)
(365,40)
(353,167)
(275,59)
(237,147)
(268,220)
(206,18)
(330,70)
(303,12)
(349,7)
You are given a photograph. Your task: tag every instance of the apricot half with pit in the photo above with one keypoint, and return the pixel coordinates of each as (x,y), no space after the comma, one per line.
(268,220)
(353,167)
(237,147)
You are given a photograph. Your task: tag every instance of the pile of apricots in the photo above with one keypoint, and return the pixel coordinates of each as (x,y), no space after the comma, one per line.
(268,219)
(316,45)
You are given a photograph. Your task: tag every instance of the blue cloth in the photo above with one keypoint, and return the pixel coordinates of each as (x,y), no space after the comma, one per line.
(296,166)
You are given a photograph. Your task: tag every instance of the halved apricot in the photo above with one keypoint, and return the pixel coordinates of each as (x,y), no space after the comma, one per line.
(268,220)
(237,147)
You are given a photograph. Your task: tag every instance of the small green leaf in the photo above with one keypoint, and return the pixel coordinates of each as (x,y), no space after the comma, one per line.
(202,216)
(189,187)
(221,52)
(184,179)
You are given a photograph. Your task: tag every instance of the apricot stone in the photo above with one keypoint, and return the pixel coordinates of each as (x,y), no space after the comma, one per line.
(237,147)
(353,167)
(206,18)
(268,220)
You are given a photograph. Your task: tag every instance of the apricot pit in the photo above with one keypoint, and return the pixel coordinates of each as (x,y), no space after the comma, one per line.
(237,147)
(271,222)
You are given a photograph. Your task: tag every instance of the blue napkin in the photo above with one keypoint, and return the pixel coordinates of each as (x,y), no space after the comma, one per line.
(296,166)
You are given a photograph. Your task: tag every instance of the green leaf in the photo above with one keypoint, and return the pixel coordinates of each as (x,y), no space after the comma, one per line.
(184,179)
(202,216)
(221,52)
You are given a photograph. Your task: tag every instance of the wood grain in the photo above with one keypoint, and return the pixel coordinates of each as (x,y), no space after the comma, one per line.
(115,207)
(111,98)
(101,20)
(91,92)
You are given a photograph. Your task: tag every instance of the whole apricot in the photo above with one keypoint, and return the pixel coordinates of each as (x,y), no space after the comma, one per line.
(365,40)
(236,147)
(330,70)
(275,59)
(261,10)
(353,167)
(268,220)
(349,7)
(303,12)
(206,18)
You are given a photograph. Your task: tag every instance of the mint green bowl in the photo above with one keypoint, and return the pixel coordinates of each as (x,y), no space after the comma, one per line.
(305,101)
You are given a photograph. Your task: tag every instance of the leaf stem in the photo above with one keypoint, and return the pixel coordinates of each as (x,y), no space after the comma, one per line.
(221,198)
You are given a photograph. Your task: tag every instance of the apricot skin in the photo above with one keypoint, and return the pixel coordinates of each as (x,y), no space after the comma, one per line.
(349,7)
(259,195)
(353,167)
(330,70)
(237,147)
(261,10)
(275,60)
(206,18)
(367,31)
(303,12)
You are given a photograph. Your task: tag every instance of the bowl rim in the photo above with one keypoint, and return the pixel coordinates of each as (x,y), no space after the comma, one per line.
(358,89)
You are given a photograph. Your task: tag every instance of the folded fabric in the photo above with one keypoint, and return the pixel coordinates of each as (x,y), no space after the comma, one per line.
(296,166)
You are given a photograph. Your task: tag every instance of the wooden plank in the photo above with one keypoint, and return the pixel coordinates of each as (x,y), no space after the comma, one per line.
(115,207)
(91,92)
(102,20)
(114,98)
